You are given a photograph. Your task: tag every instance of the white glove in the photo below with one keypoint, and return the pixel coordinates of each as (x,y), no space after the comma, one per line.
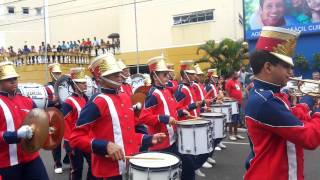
(137,106)
(25,132)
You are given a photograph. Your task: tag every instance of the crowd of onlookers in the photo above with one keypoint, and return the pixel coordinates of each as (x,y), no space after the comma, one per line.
(85,46)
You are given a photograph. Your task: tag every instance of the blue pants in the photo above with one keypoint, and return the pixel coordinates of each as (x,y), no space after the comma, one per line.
(33,170)
(76,163)
(56,154)
(187,162)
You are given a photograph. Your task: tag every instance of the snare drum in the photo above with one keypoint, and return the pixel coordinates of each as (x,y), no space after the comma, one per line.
(194,137)
(223,108)
(142,169)
(36,92)
(218,121)
(234,106)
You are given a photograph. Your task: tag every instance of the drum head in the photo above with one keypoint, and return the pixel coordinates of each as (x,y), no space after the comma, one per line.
(192,123)
(213,114)
(220,105)
(169,160)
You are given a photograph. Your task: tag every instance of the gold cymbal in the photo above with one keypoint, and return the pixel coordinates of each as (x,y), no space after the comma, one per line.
(39,122)
(56,128)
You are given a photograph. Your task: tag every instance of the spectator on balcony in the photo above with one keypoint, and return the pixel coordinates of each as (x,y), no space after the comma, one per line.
(20,52)
(59,49)
(64,47)
(88,45)
(11,51)
(26,50)
(103,45)
(33,49)
(108,45)
(76,45)
(2,50)
(49,49)
(40,50)
(96,45)
(71,46)
(82,45)
(54,49)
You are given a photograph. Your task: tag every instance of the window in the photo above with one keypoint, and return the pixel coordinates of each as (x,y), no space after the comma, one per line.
(38,11)
(25,10)
(10,10)
(198,16)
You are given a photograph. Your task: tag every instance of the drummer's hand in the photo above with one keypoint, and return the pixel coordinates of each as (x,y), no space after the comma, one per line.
(115,151)
(209,101)
(186,113)
(172,121)
(199,103)
(219,102)
(158,138)
(25,132)
(207,109)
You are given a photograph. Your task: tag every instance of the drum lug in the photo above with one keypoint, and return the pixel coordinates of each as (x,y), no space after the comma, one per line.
(194,140)
(181,144)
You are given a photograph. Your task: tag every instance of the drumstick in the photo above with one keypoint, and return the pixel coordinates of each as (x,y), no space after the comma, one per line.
(144,158)
(188,120)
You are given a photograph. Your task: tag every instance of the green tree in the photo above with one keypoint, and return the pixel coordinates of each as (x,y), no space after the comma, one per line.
(227,56)
(316,61)
(301,62)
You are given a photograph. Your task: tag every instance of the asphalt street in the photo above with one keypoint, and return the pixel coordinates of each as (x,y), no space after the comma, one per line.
(230,163)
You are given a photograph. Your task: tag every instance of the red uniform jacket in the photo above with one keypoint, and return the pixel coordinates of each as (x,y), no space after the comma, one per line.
(278,134)
(158,107)
(126,88)
(71,109)
(12,113)
(107,117)
(172,85)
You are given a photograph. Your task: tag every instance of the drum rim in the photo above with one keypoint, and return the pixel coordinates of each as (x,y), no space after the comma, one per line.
(220,105)
(194,125)
(222,115)
(153,169)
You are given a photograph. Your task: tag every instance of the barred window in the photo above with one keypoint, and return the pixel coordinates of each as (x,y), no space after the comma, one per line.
(198,16)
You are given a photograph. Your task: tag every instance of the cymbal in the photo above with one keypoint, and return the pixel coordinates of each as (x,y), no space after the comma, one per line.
(56,128)
(39,122)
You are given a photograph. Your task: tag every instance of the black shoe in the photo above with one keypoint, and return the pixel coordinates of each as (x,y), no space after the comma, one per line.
(66,160)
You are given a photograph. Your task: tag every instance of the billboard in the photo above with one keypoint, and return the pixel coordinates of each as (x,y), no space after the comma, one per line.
(298,15)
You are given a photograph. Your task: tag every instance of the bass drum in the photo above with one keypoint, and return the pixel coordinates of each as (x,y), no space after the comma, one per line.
(36,92)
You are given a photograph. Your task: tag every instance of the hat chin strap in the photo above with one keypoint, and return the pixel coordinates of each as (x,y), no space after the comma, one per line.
(190,82)
(159,79)
(114,83)
(76,85)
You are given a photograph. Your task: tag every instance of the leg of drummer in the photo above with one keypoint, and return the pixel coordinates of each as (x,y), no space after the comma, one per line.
(76,164)
(34,170)
(12,172)
(187,167)
(56,153)
(87,156)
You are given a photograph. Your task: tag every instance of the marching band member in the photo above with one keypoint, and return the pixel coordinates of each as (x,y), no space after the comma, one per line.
(186,98)
(55,72)
(106,124)
(277,132)
(71,109)
(234,91)
(172,84)
(125,76)
(160,113)
(214,92)
(16,164)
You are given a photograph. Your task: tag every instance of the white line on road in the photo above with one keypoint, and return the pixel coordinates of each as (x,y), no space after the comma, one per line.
(228,142)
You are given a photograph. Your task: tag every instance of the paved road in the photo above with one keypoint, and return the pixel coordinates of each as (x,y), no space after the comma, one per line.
(230,164)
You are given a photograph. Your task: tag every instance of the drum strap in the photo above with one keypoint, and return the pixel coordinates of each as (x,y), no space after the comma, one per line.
(51,88)
(76,104)
(117,133)
(166,112)
(214,90)
(191,98)
(13,155)
(200,91)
